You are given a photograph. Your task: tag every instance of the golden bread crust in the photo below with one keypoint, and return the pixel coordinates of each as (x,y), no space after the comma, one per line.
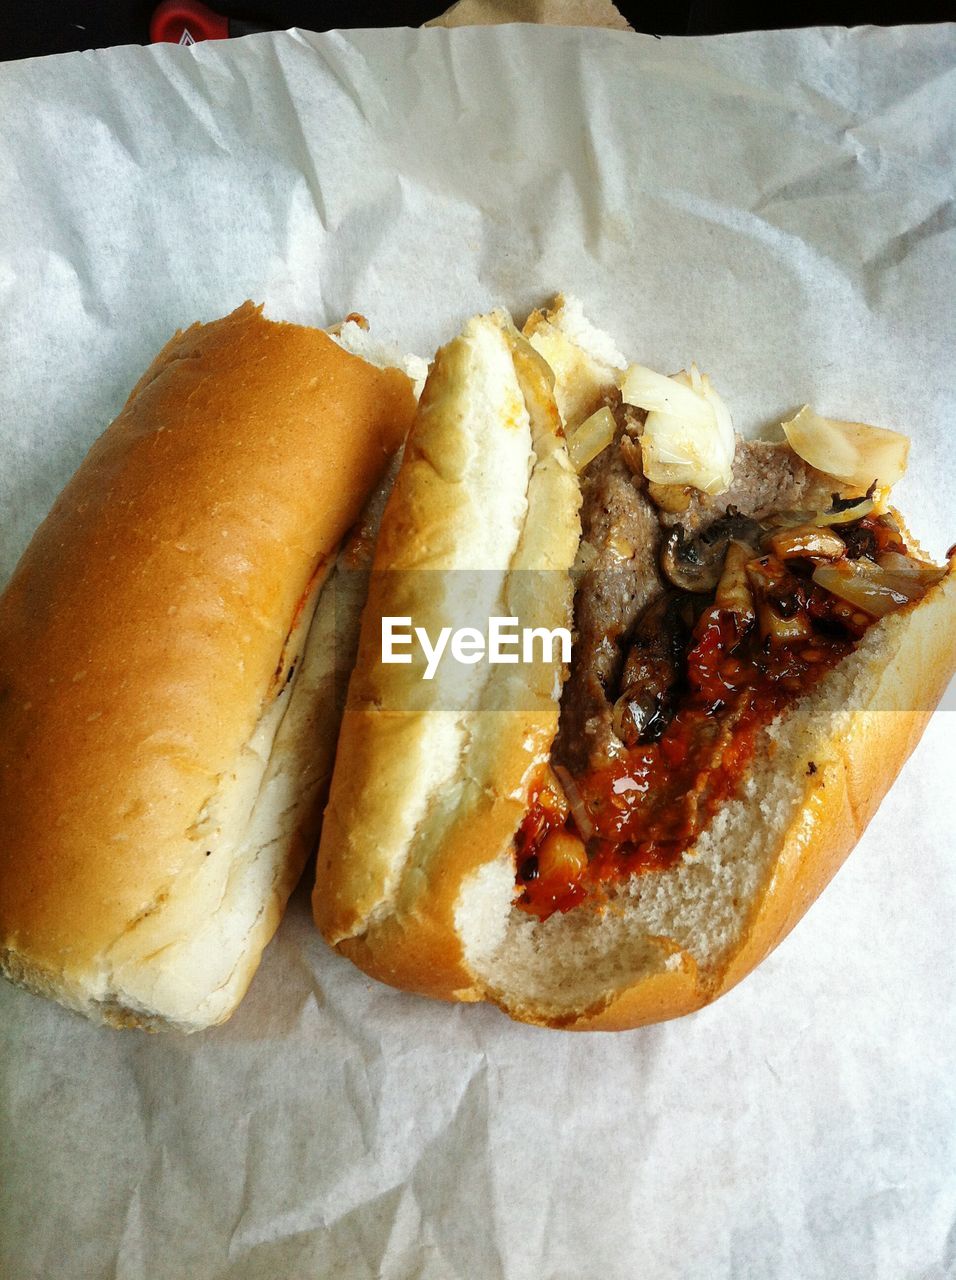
(143,630)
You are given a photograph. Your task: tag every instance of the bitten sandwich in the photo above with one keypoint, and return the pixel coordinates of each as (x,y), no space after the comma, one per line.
(758,643)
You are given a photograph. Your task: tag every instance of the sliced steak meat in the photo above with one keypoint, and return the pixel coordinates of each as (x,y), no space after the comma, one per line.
(768,478)
(658,641)
(622,526)
(626,530)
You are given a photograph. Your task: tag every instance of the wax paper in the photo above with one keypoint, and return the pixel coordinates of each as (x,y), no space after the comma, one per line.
(777,207)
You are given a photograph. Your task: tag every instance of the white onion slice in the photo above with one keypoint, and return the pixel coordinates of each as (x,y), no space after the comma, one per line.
(656,392)
(688,437)
(853,452)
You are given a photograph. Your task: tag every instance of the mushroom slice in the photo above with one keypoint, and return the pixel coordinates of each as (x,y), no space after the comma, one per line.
(696,565)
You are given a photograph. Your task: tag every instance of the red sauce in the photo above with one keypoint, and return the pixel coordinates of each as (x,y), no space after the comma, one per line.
(651,804)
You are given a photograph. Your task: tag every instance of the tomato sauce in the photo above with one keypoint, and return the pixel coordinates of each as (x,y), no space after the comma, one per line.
(642,812)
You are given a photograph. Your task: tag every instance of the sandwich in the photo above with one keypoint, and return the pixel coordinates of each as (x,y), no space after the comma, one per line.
(168,665)
(617,836)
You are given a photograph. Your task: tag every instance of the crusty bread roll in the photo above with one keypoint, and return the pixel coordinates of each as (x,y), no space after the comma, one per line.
(416,874)
(167,716)
(484,506)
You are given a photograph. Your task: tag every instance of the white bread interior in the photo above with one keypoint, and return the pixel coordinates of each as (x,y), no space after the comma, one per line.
(586,363)
(360,341)
(482,521)
(186,957)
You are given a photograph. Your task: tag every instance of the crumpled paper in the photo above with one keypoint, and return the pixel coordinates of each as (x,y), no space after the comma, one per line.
(561,13)
(778,207)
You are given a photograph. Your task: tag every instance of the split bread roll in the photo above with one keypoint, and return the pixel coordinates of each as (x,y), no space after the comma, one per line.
(465,853)
(167,710)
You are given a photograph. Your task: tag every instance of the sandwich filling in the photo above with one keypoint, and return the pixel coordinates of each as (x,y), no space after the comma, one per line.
(698,620)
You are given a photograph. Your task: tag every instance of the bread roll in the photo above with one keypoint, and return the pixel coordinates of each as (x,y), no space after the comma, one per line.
(165,715)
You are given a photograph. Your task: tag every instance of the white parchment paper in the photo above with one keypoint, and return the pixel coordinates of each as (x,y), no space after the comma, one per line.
(778,207)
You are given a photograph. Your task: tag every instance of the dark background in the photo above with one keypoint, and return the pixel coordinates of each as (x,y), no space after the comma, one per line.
(33,27)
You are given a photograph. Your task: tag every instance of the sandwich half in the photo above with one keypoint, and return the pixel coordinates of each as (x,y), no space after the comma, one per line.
(167,708)
(758,643)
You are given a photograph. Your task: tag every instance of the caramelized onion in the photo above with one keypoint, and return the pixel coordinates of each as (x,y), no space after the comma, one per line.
(910,576)
(808,540)
(783,630)
(591,438)
(780,603)
(552,794)
(673,498)
(733,590)
(657,393)
(896,563)
(579,810)
(871,588)
(847,515)
(535,358)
